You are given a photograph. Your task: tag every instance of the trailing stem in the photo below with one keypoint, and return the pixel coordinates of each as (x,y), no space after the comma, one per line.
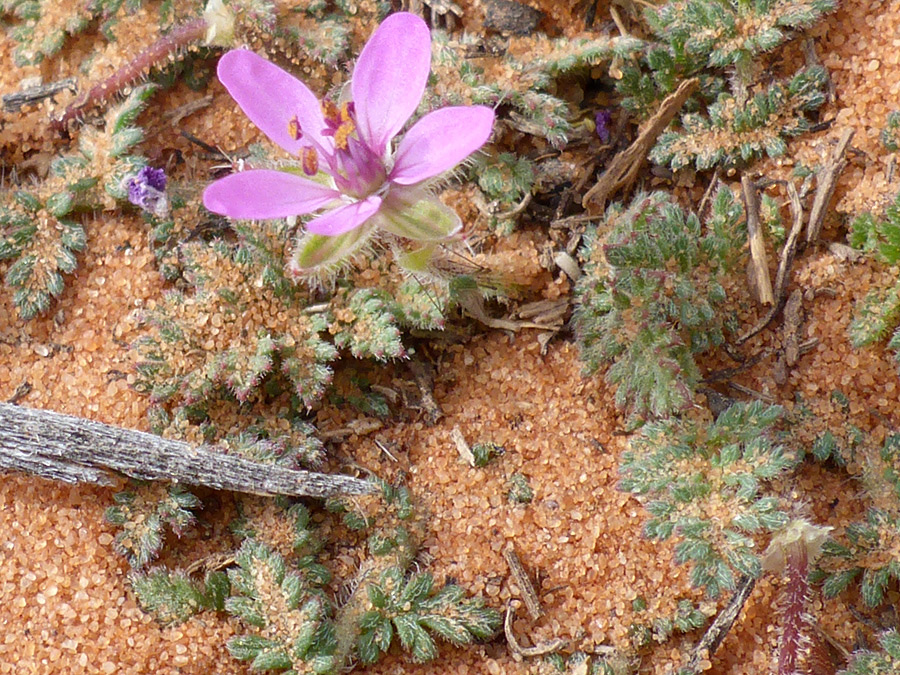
(799,650)
(155,55)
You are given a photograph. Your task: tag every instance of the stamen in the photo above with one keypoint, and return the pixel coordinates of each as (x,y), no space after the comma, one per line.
(310,160)
(294,129)
(331,112)
(342,134)
(339,122)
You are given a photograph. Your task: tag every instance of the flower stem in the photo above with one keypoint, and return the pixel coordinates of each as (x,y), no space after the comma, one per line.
(156,54)
(795,640)
(800,650)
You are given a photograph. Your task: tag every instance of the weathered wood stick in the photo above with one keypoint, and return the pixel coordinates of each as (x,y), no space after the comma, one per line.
(72,449)
(827,178)
(719,628)
(783,275)
(14,102)
(758,259)
(623,169)
(529,595)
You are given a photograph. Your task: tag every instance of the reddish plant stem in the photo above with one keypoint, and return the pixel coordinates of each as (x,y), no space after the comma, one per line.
(154,55)
(801,650)
(795,640)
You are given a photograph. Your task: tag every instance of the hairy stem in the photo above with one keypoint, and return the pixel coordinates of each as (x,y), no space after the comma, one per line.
(155,55)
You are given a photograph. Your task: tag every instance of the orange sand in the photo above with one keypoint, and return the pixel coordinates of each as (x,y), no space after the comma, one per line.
(65,603)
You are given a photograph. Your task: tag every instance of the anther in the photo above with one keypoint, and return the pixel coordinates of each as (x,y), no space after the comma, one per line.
(331,112)
(294,129)
(310,160)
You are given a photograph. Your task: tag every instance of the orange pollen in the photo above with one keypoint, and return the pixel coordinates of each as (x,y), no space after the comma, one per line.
(330,110)
(310,160)
(342,134)
(294,129)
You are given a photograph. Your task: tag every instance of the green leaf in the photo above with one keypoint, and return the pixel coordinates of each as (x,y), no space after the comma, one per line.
(367,647)
(377,634)
(874,583)
(414,638)
(245,608)
(275,658)
(377,596)
(248,647)
(417,588)
(216,587)
(27,201)
(450,630)
(126,114)
(171,597)
(836,583)
(60,204)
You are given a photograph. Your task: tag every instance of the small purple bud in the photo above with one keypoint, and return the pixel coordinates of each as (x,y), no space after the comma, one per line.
(602,118)
(147,190)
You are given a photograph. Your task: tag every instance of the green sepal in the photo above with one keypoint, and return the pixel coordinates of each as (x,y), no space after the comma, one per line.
(417,260)
(318,250)
(417,215)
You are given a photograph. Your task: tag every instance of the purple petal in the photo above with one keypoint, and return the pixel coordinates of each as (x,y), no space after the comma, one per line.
(344,218)
(439,141)
(271,98)
(259,194)
(389,78)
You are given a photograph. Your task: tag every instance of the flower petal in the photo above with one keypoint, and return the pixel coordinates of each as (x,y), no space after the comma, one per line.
(259,194)
(389,78)
(316,250)
(271,98)
(344,218)
(415,214)
(439,141)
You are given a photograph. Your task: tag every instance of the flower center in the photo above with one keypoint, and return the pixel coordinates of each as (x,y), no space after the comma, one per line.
(356,170)
(339,122)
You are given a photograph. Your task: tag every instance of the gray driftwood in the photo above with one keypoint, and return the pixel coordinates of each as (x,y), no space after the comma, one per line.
(74,450)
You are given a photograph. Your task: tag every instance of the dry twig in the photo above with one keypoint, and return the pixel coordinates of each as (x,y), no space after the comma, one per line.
(529,595)
(75,450)
(759,264)
(828,176)
(782,276)
(826,181)
(624,167)
(519,651)
(32,94)
(714,635)
(462,447)
(789,251)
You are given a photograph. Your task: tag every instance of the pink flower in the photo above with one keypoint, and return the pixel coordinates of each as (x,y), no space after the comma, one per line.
(353,174)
